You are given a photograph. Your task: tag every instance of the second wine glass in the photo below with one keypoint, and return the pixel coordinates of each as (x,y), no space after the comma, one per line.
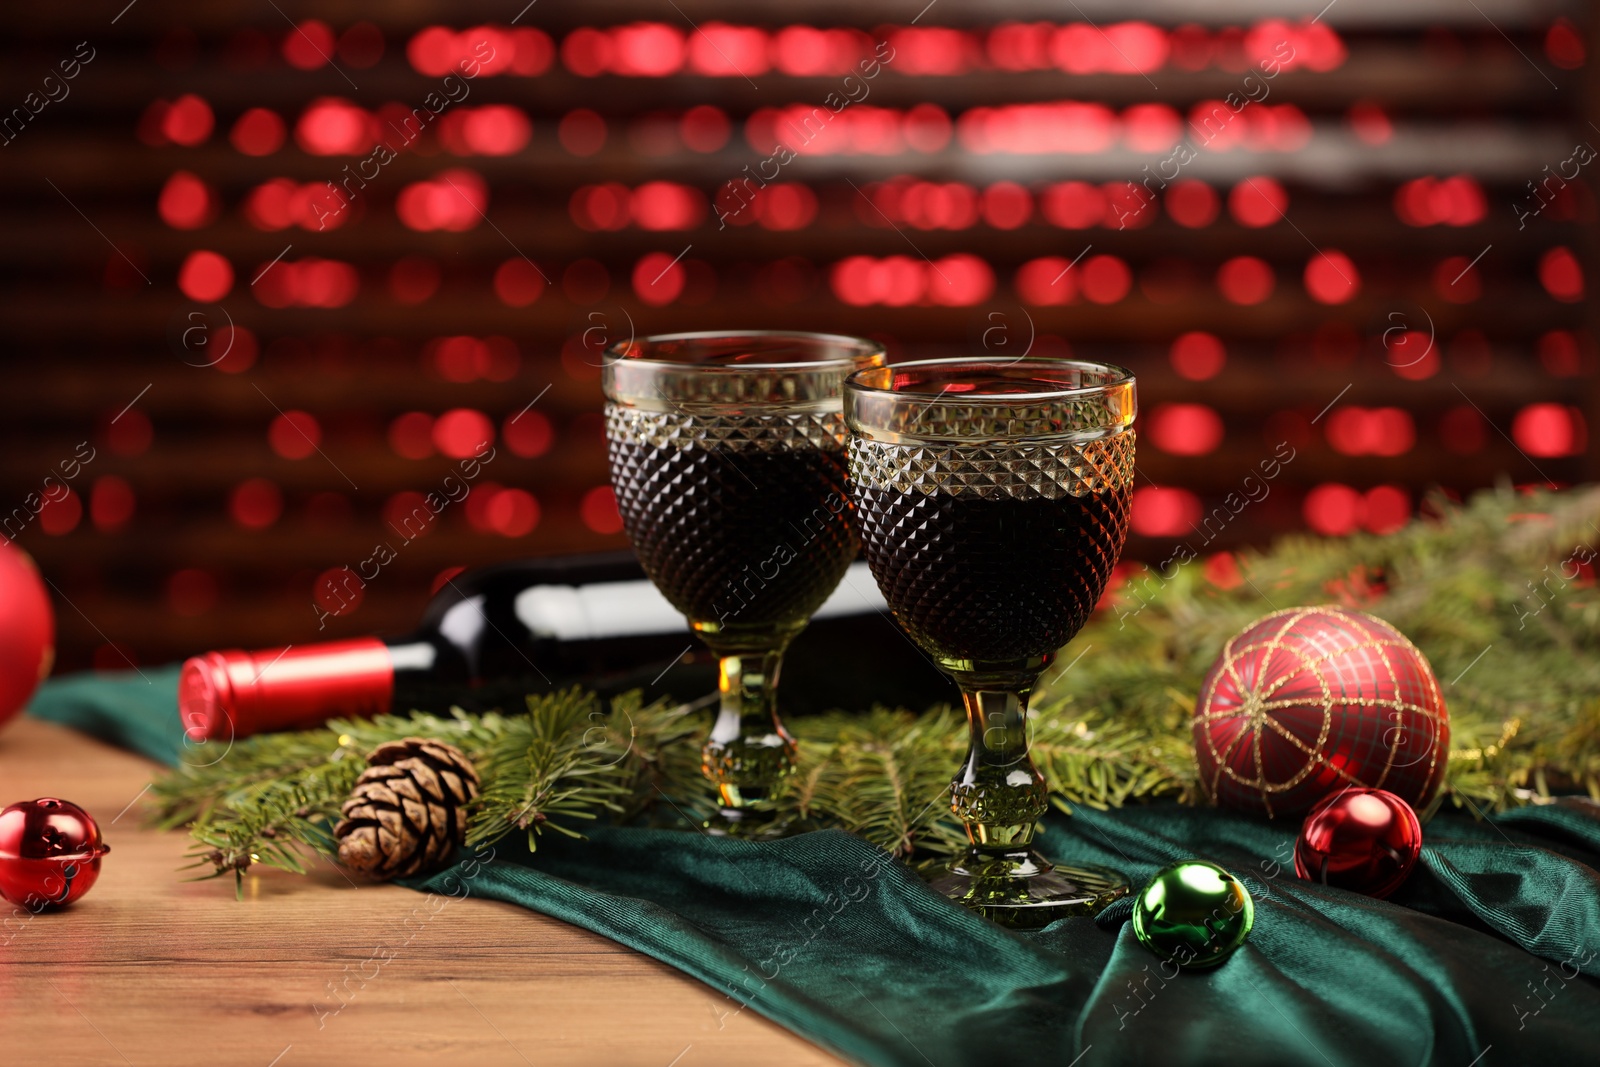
(993,501)
(727,457)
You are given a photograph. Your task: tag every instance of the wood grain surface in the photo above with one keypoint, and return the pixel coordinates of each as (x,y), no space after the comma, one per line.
(151,969)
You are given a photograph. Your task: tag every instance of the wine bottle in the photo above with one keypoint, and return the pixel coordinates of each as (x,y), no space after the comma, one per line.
(494,634)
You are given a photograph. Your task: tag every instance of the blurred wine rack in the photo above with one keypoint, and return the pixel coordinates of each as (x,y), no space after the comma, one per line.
(1360,237)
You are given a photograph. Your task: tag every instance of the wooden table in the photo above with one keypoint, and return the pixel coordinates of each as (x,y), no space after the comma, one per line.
(151,969)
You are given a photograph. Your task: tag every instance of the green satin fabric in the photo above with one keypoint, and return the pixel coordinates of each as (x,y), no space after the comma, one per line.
(1476,960)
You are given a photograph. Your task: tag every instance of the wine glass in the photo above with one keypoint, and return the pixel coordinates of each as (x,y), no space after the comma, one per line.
(727,456)
(992,501)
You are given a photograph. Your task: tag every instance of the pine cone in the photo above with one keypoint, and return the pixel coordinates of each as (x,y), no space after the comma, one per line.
(407,814)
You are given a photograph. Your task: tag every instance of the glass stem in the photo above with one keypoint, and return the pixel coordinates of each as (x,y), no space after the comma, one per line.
(750,753)
(999,795)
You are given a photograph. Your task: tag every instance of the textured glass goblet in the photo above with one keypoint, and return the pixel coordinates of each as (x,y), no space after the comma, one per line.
(992,501)
(727,457)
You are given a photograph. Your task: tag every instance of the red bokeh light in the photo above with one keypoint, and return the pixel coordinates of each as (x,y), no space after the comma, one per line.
(258,132)
(601,207)
(186,202)
(511,513)
(187,121)
(1160,511)
(1258,201)
(717,49)
(959,280)
(658,278)
(528,434)
(1047,282)
(491,130)
(294,434)
(931,50)
(927,128)
(205,277)
(462,432)
(1073,205)
(59,515)
(309,45)
(1006,205)
(1370,123)
(1564,44)
(1105,280)
(704,128)
(1455,201)
(1246,280)
(586,52)
(332,126)
(466,359)
(518,283)
(1192,203)
(310,282)
(661,205)
(255,503)
(785,206)
(1388,508)
(1331,277)
(1020,46)
(533,52)
(1561,354)
(1412,355)
(1129,206)
(1116,48)
(1185,429)
(411,435)
(1151,127)
(455,201)
(1549,431)
(599,511)
(111,503)
(1357,431)
(804,51)
(338,590)
(1333,509)
(1198,356)
(1033,129)
(1561,275)
(647,50)
(238,347)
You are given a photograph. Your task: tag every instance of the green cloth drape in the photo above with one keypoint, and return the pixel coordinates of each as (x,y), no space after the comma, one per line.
(1488,955)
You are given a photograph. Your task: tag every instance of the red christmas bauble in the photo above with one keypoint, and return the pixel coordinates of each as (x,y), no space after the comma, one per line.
(49,853)
(1363,840)
(27,629)
(1309,701)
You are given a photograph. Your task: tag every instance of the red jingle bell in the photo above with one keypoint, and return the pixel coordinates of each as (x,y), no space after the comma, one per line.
(1363,840)
(49,853)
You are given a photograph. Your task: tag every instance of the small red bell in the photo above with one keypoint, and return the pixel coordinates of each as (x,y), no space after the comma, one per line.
(1363,840)
(49,853)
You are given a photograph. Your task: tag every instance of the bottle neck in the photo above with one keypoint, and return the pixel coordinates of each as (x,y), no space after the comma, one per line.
(233,694)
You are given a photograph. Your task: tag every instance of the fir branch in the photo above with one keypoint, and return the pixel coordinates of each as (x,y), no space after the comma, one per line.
(1499,594)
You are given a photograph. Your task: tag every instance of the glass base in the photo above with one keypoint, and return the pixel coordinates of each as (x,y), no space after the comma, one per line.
(749,824)
(1024,891)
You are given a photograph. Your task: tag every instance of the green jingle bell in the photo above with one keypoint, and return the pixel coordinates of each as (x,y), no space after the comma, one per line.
(1193,913)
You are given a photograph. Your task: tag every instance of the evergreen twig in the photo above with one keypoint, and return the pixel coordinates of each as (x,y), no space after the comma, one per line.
(1499,594)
